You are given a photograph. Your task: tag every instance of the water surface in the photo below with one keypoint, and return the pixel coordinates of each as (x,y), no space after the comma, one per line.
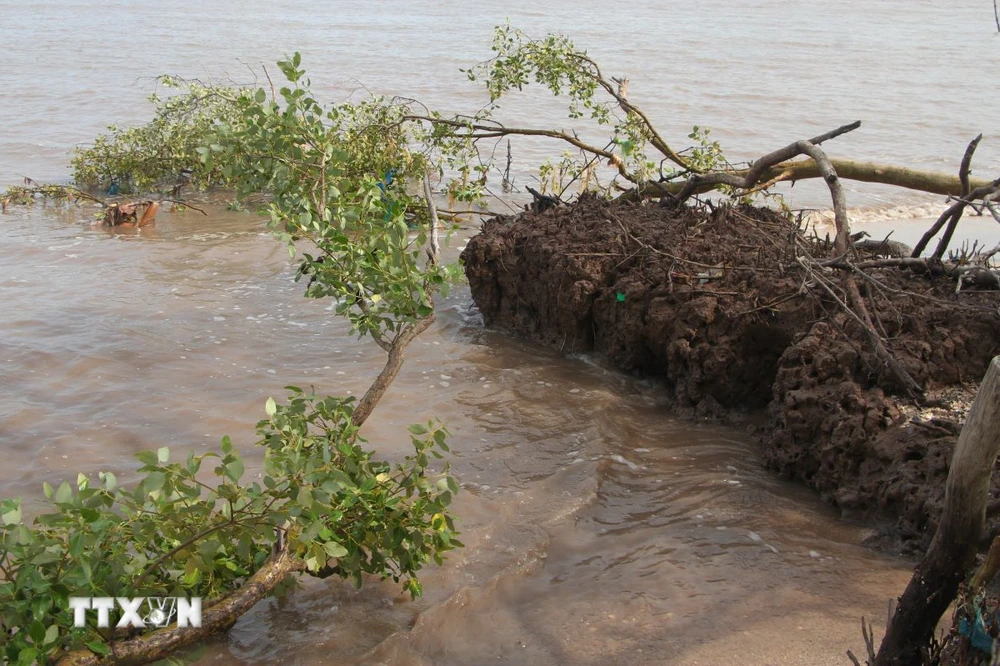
(600,529)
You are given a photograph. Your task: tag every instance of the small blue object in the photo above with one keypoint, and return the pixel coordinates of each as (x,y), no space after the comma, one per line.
(976,632)
(387,179)
(392,207)
(113,188)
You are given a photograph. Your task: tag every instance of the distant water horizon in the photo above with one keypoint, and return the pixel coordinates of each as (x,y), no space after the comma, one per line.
(760,73)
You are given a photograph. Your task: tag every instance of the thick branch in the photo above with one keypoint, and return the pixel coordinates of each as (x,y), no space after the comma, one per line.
(855,307)
(751,177)
(963,176)
(161,644)
(953,549)
(866,172)
(392,366)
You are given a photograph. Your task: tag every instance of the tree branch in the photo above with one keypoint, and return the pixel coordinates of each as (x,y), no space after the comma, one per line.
(160,644)
(392,366)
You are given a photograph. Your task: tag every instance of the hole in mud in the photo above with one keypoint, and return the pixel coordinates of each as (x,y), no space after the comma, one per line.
(763,345)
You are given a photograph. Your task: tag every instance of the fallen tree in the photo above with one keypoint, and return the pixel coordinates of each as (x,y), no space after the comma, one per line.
(332,179)
(324,506)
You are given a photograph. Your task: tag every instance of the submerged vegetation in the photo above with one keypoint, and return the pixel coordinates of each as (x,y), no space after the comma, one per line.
(348,188)
(324,506)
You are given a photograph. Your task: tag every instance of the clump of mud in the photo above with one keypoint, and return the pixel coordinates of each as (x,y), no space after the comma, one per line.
(714,302)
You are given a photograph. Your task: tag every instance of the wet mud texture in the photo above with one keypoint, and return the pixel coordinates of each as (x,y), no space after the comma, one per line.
(713,302)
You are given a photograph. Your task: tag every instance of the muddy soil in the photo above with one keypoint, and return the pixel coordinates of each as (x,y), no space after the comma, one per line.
(713,302)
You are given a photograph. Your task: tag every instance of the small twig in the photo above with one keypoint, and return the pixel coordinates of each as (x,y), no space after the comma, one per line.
(435,247)
(186,205)
(656,251)
(274,95)
(909,384)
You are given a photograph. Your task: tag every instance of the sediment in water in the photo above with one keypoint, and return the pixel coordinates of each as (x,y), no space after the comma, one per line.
(713,302)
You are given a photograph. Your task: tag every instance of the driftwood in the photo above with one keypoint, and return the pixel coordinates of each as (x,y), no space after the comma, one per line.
(127,214)
(936,579)
(542,202)
(882,248)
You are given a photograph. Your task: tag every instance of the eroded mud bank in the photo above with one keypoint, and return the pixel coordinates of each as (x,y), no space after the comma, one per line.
(715,304)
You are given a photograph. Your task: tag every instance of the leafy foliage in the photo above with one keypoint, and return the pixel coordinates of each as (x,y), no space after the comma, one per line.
(336,176)
(163,152)
(335,179)
(173,534)
(555,63)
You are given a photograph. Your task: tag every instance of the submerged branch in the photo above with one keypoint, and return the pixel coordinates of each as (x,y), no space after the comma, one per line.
(161,644)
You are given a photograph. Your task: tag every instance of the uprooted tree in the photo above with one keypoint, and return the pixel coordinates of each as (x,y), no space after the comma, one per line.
(347,185)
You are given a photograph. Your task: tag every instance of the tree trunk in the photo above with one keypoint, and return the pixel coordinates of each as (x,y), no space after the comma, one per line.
(219,617)
(390,370)
(868,172)
(936,579)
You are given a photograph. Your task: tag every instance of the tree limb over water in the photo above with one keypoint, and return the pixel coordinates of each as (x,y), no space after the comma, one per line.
(334,181)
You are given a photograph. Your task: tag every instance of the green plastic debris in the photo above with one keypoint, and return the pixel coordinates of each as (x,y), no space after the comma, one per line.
(621,297)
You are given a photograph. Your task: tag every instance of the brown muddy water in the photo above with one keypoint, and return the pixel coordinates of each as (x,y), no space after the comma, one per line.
(600,529)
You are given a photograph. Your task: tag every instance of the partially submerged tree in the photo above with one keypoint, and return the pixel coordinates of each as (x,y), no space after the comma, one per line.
(324,506)
(351,181)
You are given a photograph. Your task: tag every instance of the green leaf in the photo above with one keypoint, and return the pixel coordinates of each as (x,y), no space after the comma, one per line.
(65,494)
(99,647)
(269,407)
(109,479)
(163,454)
(334,549)
(234,469)
(37,632)
(154,481)
(148,458)
(12,517)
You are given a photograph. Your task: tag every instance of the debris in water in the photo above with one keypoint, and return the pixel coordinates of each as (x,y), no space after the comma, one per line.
(631,465)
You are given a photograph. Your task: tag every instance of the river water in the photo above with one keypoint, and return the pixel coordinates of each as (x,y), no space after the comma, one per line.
(600,529)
